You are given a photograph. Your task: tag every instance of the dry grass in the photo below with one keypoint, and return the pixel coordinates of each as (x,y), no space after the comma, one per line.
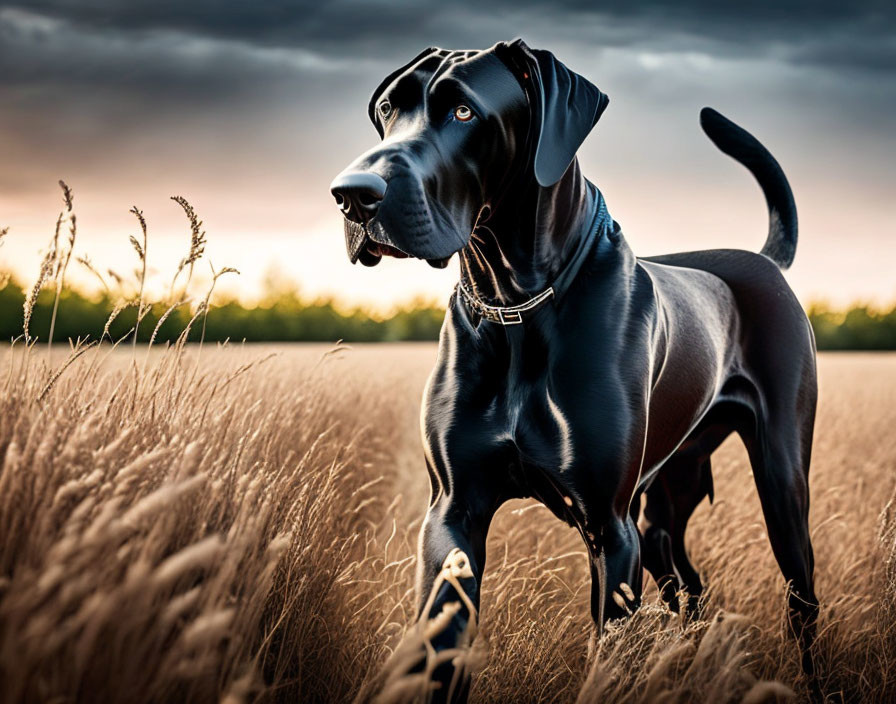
(184,533)
(241,527)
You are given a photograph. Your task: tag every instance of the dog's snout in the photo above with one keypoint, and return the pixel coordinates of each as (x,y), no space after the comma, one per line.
(358,194)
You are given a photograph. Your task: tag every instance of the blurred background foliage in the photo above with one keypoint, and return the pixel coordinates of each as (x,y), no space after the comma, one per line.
(282,316)
(285,316)
(861,327)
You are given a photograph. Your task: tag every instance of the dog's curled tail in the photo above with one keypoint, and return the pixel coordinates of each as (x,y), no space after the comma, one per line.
(739,144)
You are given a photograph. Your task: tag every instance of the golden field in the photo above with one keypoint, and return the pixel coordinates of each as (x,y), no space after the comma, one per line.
(239,524)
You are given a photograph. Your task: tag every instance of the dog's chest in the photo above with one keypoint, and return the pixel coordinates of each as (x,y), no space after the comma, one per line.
(528,415)
(501,402)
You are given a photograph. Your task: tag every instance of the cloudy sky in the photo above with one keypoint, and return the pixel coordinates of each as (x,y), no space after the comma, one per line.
(250,108)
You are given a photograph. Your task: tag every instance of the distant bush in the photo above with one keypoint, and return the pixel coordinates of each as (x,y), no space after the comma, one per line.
(859,328)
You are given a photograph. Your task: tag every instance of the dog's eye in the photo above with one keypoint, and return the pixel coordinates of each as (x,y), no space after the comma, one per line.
(463,113)
(385,109)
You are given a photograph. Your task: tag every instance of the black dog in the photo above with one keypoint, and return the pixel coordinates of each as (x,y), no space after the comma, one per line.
(569,370)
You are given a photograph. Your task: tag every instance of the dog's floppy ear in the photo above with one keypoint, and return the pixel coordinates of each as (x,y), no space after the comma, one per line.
(387,81)
(565,107)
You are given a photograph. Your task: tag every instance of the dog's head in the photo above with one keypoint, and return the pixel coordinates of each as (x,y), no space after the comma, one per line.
(459,129)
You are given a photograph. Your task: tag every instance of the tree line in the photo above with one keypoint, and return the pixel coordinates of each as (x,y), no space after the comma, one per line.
(288,317)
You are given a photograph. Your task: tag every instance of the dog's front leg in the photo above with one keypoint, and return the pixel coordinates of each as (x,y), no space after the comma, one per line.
(449,574)
(616,580)
(431,664)
(600,495)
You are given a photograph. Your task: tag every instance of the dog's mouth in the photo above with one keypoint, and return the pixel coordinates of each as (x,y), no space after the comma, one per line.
(370,252)
(374,252)
(384,250)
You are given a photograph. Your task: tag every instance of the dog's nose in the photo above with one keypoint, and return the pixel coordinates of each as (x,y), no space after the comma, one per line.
(358,194)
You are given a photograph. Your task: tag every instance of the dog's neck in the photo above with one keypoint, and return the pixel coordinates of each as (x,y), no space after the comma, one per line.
(524,244)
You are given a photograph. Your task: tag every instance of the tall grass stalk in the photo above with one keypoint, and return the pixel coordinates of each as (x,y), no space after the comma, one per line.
(206,303)
(61,262)
(140,249)
(197,245)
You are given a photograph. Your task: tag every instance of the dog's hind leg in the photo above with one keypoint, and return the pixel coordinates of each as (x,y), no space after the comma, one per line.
(682,484)
(779,453)
(656,545)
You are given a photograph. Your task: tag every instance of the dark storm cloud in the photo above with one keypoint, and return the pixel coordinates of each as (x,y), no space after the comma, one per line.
(77,73)
(859,35)
(37,49)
